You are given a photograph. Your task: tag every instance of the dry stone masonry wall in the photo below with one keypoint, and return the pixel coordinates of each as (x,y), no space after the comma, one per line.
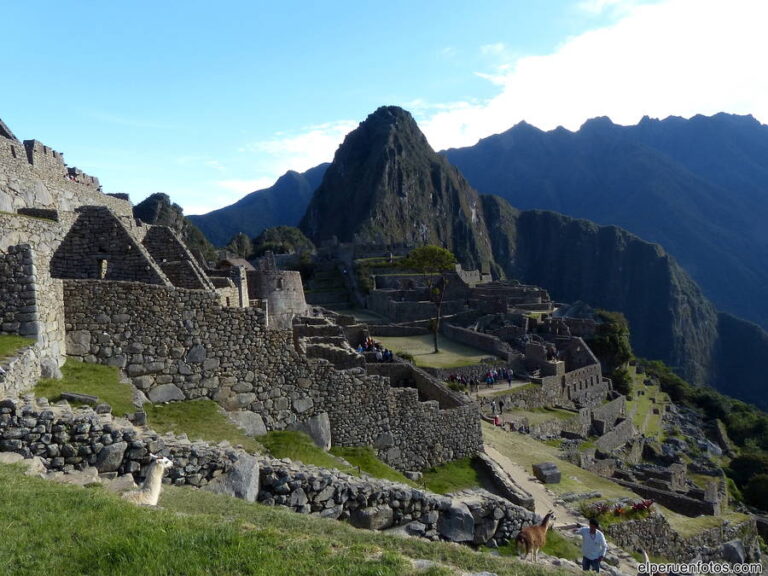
(68,440)
(180,344)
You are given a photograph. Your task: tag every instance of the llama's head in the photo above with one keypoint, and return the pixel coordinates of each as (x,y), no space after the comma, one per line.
(163,462)
(549,519)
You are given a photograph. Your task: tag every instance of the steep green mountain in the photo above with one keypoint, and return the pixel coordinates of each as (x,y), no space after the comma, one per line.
(158,209)
(611,268)
(284,203)
(698,187)
(387,185)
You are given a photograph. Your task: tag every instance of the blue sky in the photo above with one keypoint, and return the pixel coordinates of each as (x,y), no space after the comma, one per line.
(209,101)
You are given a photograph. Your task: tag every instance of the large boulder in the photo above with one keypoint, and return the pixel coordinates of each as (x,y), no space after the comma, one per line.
(166,393)
(547,472)
(318,428)
(249,422)
(373,517)
(734,553)
(110,457)
(241,481)
(457,523)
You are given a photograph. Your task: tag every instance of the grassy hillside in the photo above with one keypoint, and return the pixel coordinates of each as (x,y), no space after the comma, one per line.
(63,530)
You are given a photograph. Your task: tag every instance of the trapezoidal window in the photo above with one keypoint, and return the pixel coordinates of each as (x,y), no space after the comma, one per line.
(102,270)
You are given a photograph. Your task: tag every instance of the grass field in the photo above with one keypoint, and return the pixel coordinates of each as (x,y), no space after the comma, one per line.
(9,345)
(451,355)
(452,476)
(93,379)
(61,530)
(641,407)
(539,415)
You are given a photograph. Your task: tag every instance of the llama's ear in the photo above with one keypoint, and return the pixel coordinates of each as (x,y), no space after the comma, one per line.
(152,457)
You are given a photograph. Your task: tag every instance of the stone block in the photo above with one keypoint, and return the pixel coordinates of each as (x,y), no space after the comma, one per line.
(372,517)
(318,428)
(547,472)
(241,481)
(249,422)
(166,393)
(457,523)
(78,343)
(110,457)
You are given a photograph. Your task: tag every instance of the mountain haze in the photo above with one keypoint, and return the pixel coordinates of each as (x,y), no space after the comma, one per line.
(282,204)
(698,187)
(386,185)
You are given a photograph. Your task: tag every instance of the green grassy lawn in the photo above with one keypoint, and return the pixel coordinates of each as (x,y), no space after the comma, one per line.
(9,345)
(453,476)
(451,355)
(93,379)
(366,461)
(62,530)
(526,451)
(539,415)
(199,420)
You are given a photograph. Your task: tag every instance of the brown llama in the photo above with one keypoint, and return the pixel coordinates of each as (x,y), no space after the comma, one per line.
(533,538)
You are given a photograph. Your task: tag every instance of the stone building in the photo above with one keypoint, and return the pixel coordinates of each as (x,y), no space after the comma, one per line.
(84,278)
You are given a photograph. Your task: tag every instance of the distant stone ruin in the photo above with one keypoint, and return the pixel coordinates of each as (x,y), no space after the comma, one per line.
(84,278)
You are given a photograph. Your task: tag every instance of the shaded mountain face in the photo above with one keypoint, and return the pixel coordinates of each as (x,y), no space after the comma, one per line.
(282,204)
(698,187)
(610,268)
(387,185)
(158,209)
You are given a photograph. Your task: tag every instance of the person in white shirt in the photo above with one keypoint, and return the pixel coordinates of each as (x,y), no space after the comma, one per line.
(593,546)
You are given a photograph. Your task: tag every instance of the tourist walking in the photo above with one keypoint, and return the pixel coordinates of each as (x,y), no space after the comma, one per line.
(593,546)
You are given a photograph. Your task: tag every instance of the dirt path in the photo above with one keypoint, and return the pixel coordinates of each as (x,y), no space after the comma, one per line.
(545,500)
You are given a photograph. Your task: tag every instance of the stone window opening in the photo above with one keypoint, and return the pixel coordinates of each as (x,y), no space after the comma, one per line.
(279,284)
(103,265)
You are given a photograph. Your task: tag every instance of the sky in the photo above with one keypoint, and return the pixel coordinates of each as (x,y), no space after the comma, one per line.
(208,101)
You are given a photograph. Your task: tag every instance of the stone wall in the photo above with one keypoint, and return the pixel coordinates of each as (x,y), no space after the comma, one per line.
(69,440)
(169,252)
(381,302)
(181,344)
(99,246)
(406,375)
(20,372)
(34,176)
(479,340)
(31,301)
(606,415)
(622,433)
(655,535)
(282,290)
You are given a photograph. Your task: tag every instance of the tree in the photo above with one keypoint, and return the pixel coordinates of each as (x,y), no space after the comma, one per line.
(433,262)
(241,245)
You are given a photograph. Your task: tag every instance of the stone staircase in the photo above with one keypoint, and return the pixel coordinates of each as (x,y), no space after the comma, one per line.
(328,288)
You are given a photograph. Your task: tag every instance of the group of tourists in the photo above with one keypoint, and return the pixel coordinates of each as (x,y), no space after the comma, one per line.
(499,375)
(370,345)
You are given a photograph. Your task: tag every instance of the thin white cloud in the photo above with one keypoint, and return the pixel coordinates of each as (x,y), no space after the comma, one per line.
(677,57)
(303,149)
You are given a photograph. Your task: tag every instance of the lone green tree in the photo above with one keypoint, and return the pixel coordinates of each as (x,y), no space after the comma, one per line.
(433,262)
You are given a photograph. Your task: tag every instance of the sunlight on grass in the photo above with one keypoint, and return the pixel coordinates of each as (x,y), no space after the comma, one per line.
(365,459)
(526,451)
(93,379)
(451,355)
(9,345)
(199,420)
(298,446)
(453,476)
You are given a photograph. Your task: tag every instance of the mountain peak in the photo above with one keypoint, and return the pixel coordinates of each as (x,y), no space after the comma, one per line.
(387,185)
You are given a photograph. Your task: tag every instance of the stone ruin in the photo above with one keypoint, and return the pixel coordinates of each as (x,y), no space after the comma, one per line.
(85,279)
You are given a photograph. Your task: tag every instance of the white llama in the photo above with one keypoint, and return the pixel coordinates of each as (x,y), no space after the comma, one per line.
(149,493)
